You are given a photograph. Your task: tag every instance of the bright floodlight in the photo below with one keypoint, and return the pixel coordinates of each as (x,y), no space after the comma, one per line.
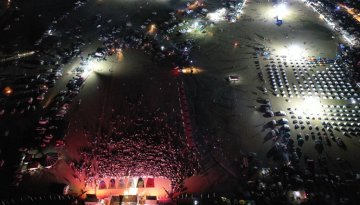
(194,26)
(88,68)
(131,191)
(311,106)
(293,51)
(281,11)
(218,15)
(152,29)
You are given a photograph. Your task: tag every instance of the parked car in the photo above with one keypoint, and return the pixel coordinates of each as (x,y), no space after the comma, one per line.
(280,113)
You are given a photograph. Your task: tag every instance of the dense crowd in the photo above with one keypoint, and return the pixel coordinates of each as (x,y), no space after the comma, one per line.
(142,143)
(145,142)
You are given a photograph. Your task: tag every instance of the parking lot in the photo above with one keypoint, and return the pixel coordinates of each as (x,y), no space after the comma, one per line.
(309,87)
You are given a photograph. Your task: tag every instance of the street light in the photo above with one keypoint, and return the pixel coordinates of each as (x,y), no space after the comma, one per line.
(7,91)
(119,55)
(311,106)
(88,68)
(152,29)
(293,51)
(281,11)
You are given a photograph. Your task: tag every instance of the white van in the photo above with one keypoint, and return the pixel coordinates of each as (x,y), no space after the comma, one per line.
(233,78)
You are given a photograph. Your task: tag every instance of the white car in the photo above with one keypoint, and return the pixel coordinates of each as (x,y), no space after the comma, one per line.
(233,78)
(283,121)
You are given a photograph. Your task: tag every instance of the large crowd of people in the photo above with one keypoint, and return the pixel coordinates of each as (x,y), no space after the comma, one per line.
(143,142)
